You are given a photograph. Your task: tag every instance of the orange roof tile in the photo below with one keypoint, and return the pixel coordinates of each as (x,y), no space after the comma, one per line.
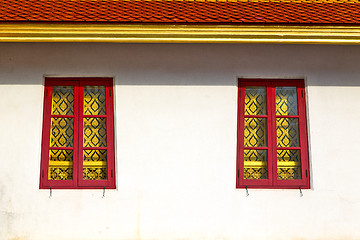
(338,12)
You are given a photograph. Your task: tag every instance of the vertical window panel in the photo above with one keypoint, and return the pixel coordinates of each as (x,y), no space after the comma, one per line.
(255,132)
(94,164)
(62,100)
(94,132)
(255,164)
(287,132)
(61,133)
(94,100)
(255,101)
(286,101)
(60,164)
(288,164)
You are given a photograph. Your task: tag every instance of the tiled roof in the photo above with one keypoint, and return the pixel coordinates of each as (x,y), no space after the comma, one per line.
(311,12)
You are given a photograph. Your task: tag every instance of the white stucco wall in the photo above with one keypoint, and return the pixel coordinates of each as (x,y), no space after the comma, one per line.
(176,107)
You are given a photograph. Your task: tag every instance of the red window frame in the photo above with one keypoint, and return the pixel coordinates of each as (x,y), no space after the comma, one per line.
(272,181)
(77,182)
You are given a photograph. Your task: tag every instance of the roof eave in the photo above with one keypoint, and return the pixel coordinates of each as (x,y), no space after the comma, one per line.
(171,33)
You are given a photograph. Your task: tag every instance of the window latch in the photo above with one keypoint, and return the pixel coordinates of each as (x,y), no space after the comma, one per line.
(247,192)
(301,194)
(103,193)
(50,196)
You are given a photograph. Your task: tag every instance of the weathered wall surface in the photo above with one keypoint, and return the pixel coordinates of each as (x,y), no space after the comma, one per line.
(176,107)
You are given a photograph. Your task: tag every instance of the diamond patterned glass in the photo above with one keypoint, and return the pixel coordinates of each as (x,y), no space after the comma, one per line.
(61,133)
(94,100)
(286,101)
(255,132)
(255,101)
(94,132)
(60,164)
(287,132)
(288,164)
(94,164)
(62,100)
(255,164)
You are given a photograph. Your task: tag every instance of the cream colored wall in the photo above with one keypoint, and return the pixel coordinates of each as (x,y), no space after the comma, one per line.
(176,107)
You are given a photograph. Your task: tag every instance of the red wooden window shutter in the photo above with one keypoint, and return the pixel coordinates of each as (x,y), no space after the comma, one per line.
(272,147)
(78,134)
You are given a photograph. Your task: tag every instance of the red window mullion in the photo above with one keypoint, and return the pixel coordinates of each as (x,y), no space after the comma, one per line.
(61,148)
(76,133)
(272,133)
(81,135)
(255,116)
(287,116)
(256,148)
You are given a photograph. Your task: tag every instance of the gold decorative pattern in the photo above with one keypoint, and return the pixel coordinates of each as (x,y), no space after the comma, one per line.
(61,133)
(288,164)
(255,101)
(286,101)
(255,132)
(94,132)
(94,164)
(255,164)
(94,100)
(60,164)
(60,155)
(94,173)
(287,132)
(60,173)
(255,173)
(95,155)
(62,100)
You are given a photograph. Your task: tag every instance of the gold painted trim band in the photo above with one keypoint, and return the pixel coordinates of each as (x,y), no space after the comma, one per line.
(259,164)
(132,33)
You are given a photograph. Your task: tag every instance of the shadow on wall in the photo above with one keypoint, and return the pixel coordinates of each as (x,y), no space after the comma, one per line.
(180,64)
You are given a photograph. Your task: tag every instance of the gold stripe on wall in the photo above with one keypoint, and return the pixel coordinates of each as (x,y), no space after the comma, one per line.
(133,33)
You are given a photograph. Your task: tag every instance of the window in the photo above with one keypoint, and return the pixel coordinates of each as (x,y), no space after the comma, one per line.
(78,134)
(272,137)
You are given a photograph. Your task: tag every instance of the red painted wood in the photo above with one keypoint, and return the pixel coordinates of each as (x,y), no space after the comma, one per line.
(77,182)
(273,182)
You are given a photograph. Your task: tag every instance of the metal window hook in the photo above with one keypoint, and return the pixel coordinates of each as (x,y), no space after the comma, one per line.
(301,194)
(247,192)
(50,196)
(103,193)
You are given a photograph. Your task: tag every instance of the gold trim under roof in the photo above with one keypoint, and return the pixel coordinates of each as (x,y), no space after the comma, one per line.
(141,33)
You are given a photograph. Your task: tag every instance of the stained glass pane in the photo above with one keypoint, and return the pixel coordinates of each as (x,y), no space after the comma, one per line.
(61,132)
(288,164)
(286,101)
(255,132)
(287,131)
(62,100)
(94,132)
(255,164)
(94,164)
(255,101)
(60,164)
(94,100)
